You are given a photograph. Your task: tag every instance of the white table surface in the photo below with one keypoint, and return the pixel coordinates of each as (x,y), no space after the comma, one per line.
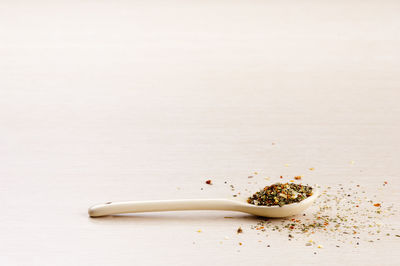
(130,100)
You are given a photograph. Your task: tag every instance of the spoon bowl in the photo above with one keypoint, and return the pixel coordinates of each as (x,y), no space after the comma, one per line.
(239,205)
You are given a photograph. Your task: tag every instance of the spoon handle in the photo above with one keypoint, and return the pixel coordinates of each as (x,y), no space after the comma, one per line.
(110,208)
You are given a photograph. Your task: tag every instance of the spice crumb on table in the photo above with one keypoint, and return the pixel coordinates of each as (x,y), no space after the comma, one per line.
(332,220)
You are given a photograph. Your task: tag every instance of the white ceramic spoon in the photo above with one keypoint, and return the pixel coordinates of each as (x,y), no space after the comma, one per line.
(239,205)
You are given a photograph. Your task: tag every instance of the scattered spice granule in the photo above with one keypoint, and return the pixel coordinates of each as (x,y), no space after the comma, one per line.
(239,230)
(198,231)
(281,177)
(240,243)
(280,194)
(334,218)
(256,173)
(298,177)
(312,169)
(208,182)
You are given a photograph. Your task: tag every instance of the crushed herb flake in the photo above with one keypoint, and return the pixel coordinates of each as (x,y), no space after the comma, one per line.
(280,194)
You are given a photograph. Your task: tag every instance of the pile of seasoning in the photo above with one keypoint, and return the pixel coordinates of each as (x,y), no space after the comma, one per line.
(343,215)
(280,194)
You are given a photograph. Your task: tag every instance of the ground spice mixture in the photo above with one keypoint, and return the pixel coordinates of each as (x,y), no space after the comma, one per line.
(280,194)
(343,215)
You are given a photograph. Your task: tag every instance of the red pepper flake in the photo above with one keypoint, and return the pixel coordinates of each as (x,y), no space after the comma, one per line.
(208,182)
(291,227)
(297,177)
(239,230)
(377,204)
(357,206)
(281,177)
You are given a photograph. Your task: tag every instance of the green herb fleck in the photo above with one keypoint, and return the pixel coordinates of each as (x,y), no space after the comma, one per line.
(280,194)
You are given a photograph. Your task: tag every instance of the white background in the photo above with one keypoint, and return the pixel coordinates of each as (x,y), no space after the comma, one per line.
(128,100)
